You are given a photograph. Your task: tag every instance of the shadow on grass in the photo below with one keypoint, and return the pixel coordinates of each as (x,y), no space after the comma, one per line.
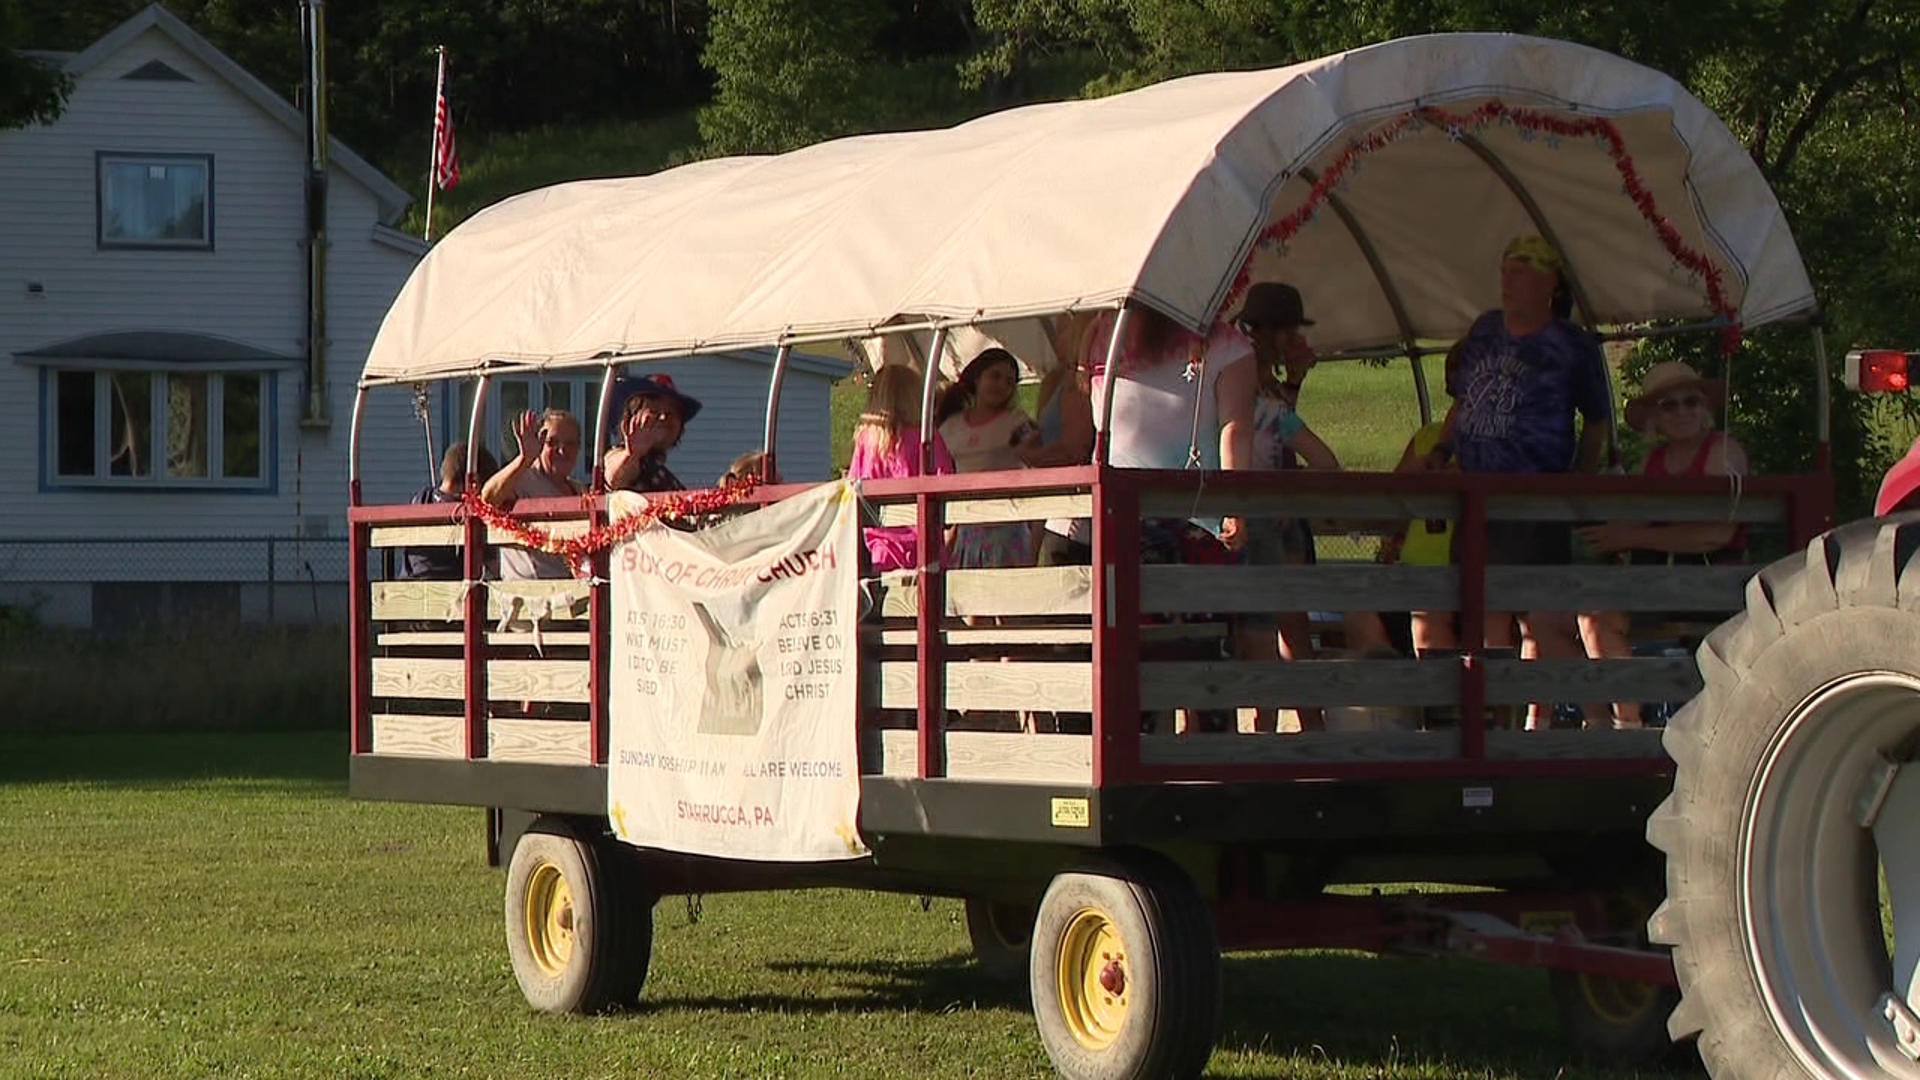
(156,759)
(1380,1016)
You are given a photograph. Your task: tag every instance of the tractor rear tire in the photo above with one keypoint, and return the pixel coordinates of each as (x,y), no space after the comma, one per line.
(1773,905)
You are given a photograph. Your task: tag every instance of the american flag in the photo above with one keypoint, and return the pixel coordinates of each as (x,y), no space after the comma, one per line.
(446,164)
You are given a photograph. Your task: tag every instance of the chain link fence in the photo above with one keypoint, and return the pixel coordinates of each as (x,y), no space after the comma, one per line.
(155,582)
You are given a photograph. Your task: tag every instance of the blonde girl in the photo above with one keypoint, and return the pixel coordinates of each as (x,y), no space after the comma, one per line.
(886,446)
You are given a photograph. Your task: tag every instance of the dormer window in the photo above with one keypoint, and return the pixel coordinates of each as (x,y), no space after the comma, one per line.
(155,201)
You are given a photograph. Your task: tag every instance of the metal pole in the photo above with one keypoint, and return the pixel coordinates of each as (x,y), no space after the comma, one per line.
(1420,387)
(600,417)
(353,441)
(316,198)
(1102,437)
(473,427)
(774,383)
(1822,400)
(433,142)
(928,383)
(423,409)
(1822,390)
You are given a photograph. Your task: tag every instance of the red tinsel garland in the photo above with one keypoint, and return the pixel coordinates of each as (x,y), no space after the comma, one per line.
(1456,124)
(578,550)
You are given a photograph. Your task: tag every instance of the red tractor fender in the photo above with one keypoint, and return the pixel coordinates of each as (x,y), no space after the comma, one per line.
(1900,490)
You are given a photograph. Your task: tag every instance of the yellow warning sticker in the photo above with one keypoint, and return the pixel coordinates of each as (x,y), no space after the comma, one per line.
(1545,923)
(1072,814)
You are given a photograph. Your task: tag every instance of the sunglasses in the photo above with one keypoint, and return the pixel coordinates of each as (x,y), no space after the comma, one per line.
(1681,401)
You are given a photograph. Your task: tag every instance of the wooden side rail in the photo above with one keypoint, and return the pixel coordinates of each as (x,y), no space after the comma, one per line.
(1528,497)
(993,510)
(1232,684)
(451,535)
(1031,590)
(543,741)
(439,601)
(1365,587)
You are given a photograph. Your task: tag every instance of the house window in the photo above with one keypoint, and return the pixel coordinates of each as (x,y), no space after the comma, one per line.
(159,428)
(155,201)
(507,398)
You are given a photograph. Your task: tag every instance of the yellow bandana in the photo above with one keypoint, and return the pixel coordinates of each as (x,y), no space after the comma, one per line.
(1536,251)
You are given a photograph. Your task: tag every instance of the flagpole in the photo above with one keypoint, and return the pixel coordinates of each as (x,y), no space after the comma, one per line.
(433,141)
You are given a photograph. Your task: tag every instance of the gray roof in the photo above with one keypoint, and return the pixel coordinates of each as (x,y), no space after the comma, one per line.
(392,198)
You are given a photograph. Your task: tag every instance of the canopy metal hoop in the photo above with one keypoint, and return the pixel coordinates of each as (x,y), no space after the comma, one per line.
(929,382)
(600,418)
(473,426)
(1528,203)
(774,382)
(1103,438)
(353,437)
(1401,319)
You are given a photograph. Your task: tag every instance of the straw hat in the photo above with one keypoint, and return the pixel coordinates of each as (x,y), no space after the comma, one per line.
(1665,379)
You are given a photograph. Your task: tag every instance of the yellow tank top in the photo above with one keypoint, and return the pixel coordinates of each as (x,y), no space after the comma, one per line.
(1427,545)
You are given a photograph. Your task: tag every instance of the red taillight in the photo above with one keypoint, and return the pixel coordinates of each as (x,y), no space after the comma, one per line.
(1879,371)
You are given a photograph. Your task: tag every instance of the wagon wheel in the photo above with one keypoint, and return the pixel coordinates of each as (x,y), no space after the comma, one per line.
(1796,794)
(1002,936)
(1618,1022)
(1125,973)
(579,924)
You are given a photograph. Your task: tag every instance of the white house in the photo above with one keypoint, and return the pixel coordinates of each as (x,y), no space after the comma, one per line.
(164,456)
(153,326)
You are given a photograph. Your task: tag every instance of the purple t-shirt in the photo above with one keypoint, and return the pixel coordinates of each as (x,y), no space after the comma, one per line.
(1515,396)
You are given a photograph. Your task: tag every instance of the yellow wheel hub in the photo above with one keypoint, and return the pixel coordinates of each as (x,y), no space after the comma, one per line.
(1094,978)
(549,926)
(1621,1001)
(1617,1001)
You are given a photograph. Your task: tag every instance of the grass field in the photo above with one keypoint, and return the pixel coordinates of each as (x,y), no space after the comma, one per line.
(213,905)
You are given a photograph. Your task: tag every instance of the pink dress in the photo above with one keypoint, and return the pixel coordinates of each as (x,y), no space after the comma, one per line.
(894,547)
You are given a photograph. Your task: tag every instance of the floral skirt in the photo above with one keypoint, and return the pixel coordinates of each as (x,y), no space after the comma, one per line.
(988,546)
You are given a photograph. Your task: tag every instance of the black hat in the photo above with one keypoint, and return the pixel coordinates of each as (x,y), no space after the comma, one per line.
(657,386)
(1270,303)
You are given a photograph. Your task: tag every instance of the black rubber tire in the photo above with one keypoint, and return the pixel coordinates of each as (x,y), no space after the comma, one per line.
(1844,608)
(1172,965)
(1616,1023)
(1002,936)
(608,916)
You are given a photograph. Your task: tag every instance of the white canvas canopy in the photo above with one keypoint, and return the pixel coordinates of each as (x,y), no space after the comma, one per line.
(1157,195)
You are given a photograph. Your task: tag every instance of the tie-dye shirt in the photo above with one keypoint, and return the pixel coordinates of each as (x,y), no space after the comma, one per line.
(1515,397)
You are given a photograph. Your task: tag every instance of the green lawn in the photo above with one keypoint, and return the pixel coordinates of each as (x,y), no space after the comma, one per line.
(213,905)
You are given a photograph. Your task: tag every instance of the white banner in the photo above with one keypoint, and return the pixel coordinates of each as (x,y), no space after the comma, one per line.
(732,705)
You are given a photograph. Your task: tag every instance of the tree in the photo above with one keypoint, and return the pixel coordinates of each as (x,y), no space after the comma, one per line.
(786,71)
(31,90)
